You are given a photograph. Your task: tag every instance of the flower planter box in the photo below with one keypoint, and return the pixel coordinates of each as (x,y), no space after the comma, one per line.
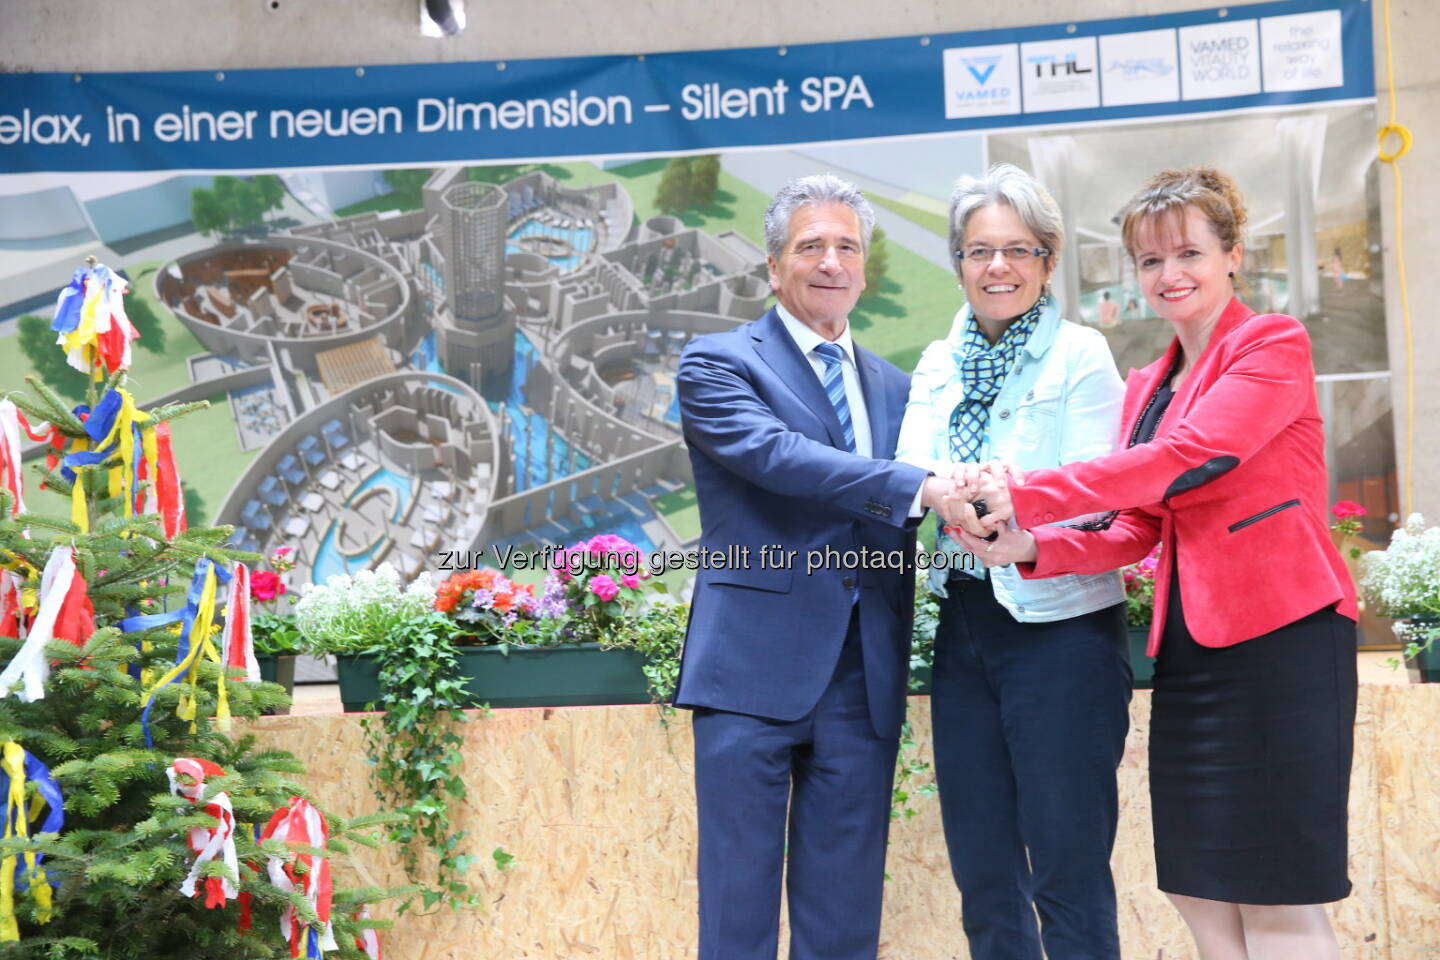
(1424,667)
(278,669)
(1141,666)
(567,675)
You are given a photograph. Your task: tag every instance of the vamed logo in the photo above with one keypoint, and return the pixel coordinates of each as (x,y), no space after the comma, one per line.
(981,68)
(982,81)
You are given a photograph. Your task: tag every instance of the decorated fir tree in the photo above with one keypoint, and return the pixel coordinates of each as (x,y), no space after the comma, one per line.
(134,818)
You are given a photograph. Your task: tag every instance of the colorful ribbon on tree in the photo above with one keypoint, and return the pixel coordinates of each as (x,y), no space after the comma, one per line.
(300,824)
(13,616)
(169,495)
(195,620)
(118,427)
(187,778)
(91,322)
(17,768)
(11,477)
(369,939)
(113,427)
(237,646)
(65,613)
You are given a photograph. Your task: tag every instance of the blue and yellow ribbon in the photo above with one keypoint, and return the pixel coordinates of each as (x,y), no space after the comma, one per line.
(196,619)
(17,768)
(116,425)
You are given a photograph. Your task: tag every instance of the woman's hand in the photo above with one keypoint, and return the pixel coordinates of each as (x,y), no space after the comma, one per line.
(1011,546)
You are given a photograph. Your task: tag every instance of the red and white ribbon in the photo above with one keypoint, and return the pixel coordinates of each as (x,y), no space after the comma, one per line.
(208,843)
(369,939)
(301,824)
(12,605)
(10,465)
(237,646)
(31,667)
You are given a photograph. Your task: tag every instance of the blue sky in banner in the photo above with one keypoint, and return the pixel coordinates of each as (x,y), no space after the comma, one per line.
(1289,52)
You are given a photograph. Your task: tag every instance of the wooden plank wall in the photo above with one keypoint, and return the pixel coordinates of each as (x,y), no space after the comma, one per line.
(597,807)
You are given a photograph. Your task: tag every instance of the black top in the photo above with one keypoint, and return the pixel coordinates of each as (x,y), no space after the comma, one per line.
(1154,411)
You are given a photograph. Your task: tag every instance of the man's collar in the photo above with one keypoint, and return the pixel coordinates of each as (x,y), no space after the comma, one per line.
(807,339)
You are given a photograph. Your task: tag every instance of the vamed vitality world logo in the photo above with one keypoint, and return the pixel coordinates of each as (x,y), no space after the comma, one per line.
(982,81)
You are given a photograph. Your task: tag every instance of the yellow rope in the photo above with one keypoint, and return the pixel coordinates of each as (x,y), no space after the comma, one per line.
(1406,139)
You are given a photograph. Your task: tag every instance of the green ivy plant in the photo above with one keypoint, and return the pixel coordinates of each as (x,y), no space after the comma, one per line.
(658,633)
(417,752)
(910,766)
(922,635)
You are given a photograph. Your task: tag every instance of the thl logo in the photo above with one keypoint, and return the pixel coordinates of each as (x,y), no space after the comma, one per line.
(981,75)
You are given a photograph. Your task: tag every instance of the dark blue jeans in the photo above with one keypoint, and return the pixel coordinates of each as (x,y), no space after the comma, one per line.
(1030,722)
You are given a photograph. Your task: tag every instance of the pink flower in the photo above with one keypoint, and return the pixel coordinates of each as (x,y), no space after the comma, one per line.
(1345,509)
(630,580)
(604,587)
(265,585)
(283,559)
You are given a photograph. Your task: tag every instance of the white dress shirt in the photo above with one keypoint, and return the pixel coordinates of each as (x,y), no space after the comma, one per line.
(807,340)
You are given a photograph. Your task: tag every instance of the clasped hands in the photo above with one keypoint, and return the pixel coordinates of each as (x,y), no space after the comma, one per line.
(989,537)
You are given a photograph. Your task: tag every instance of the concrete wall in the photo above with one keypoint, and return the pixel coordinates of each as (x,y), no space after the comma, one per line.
(39,35)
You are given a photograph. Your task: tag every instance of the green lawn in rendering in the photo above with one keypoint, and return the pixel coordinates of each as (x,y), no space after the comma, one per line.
(916,305)
(208,454)
(936,223)
(151,374)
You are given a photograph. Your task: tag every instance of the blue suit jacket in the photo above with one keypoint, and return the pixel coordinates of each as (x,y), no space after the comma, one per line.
(770,469)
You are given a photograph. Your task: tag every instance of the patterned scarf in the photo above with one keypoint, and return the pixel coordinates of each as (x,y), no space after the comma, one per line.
(983,368)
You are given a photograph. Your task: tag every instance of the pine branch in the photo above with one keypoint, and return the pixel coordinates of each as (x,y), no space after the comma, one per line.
(54,409)
(172,410)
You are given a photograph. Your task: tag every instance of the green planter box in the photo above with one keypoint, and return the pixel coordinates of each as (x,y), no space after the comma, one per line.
(1142,666)
(568,675)
(278,669)
(1425,666)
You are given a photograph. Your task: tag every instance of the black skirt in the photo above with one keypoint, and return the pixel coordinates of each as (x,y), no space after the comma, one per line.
(1250,749)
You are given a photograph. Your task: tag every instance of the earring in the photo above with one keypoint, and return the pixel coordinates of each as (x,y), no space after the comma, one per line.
(1231,274)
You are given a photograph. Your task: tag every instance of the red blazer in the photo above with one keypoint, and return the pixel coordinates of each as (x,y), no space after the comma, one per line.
(1233,486)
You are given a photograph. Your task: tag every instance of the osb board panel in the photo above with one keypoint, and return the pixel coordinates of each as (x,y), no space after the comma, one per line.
(1407,759)
(597,806)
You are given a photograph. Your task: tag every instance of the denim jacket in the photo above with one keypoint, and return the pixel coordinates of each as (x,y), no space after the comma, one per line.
(1060,403)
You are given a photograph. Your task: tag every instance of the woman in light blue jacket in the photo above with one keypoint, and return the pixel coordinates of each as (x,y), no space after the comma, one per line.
(1031,677)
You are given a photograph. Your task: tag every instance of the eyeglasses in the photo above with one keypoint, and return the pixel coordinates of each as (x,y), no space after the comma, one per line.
(982,254)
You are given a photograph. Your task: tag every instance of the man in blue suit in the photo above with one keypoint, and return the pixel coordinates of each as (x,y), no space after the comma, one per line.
(797,679)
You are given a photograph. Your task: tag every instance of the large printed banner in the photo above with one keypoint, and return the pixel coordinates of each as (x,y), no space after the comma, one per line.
(1251,56)
(438,310)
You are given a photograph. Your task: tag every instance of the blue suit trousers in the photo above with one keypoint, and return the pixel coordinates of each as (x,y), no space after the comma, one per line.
(819,786)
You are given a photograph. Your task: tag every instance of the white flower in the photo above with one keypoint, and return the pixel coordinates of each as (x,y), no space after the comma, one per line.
(1403,580)
(349,613)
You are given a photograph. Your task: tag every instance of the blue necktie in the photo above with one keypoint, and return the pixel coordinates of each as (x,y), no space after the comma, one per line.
(834,384)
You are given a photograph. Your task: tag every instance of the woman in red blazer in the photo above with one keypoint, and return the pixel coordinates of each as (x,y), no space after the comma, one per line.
(1255,685)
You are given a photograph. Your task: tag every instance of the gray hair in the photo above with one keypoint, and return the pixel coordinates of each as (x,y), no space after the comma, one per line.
(818,189)
(1007,184)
